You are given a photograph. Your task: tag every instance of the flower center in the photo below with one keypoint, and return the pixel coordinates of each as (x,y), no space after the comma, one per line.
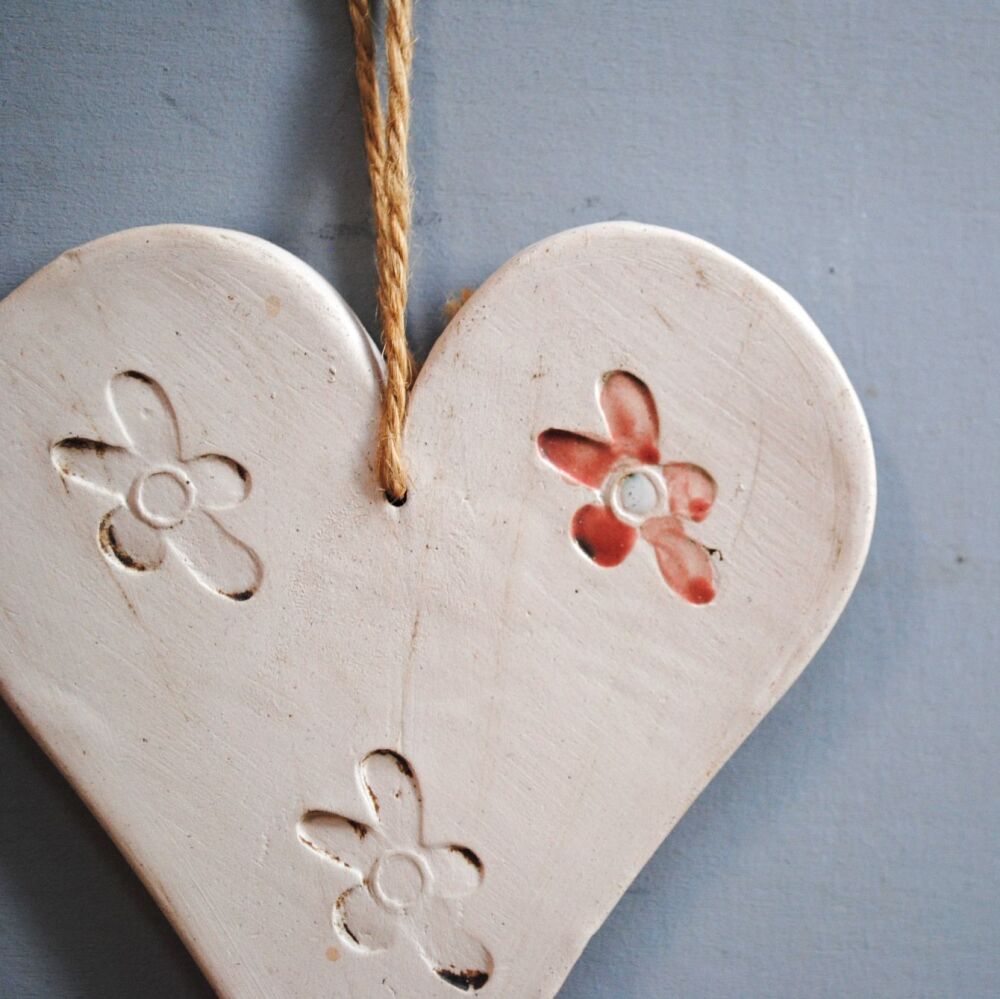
(162,498)
(636,494)
(399,879)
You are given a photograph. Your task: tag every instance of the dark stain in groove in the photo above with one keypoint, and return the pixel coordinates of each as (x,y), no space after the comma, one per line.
(465,852)
(108,540)
(235,465)
(404,767)
(469,979)
(343,922)
(83,444)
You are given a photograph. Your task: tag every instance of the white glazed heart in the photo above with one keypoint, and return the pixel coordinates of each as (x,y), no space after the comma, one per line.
(353,748)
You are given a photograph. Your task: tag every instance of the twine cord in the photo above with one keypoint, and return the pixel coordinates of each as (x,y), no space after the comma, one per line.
(386,137)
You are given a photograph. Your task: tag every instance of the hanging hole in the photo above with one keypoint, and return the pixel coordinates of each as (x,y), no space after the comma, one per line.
(395,500)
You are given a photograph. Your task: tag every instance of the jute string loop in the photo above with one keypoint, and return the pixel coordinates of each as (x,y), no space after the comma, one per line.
(386,149)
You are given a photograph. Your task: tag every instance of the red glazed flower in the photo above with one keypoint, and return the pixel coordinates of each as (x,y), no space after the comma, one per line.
(639,496)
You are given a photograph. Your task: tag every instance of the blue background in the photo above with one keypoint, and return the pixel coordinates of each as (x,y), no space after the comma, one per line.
(848,150)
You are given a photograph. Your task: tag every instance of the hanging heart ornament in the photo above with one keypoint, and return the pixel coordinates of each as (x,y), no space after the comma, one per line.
(352,747)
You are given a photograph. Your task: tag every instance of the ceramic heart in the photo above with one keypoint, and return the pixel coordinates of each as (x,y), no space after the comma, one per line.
(350,746)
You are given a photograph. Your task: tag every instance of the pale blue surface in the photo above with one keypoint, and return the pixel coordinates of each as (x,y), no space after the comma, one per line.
(847,150)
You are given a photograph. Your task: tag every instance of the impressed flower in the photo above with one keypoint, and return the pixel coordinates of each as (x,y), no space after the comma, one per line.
(161,501)
(638,495)
(406,888)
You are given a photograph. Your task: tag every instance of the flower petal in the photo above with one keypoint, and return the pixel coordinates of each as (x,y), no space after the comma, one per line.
(103,467)
(342,840)
(216,558)
(602,537)
(395,796)
(220,482)
(362,922)
(692,490)
(584,459)
(457,957)
(685,564)
(146,417)
(129,542)
(630,412)
(457,870)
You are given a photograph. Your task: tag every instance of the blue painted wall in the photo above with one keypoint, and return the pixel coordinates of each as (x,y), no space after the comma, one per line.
(848,150)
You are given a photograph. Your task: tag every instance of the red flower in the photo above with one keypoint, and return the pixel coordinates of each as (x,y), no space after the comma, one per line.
(638,495)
